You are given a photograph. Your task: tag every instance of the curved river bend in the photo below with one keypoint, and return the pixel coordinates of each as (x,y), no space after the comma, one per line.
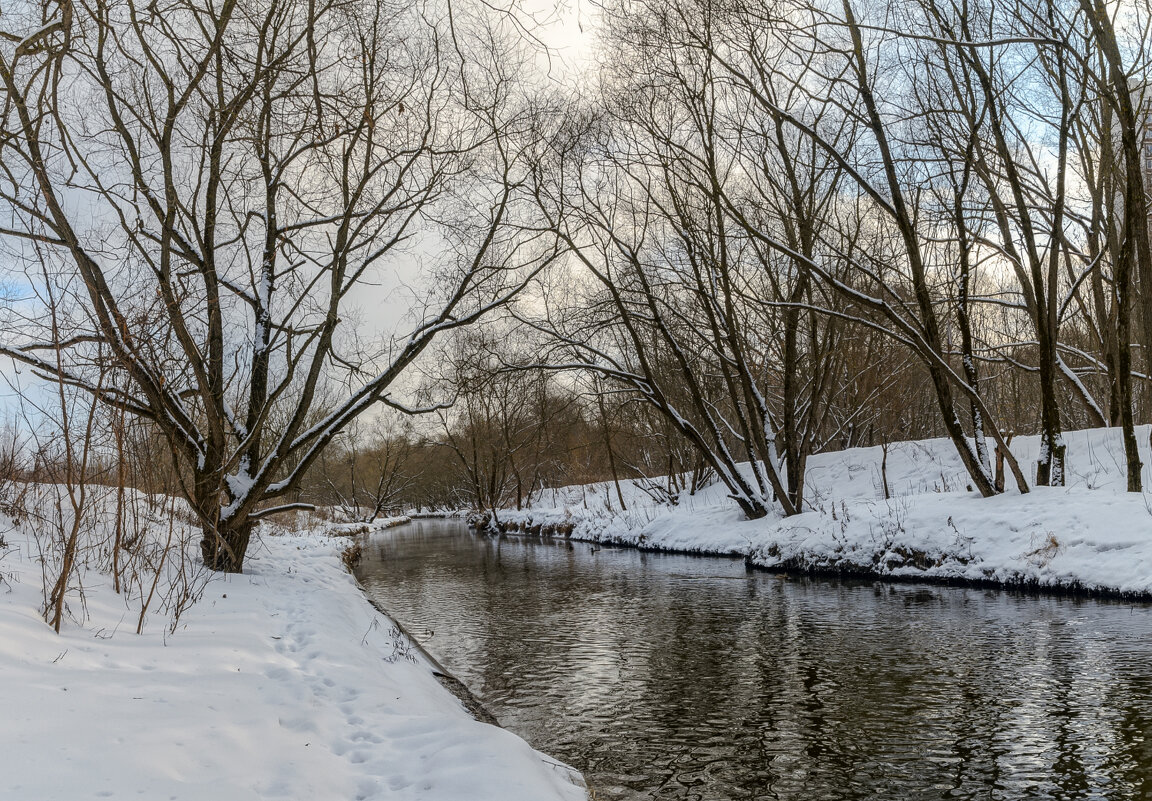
(677,677)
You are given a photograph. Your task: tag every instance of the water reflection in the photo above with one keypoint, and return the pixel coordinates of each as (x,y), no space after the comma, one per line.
(672,677)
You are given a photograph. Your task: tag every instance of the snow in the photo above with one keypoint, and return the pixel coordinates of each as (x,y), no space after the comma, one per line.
(1090,535)
(282,682)
(362,527)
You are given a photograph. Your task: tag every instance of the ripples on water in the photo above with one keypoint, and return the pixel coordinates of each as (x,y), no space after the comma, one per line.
(674,677)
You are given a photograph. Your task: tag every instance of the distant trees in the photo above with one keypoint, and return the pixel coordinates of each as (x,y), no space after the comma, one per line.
(509,430)
(759,233)
(367,470)
(207,185)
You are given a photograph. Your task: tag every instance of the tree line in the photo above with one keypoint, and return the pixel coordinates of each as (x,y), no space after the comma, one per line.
(752,232)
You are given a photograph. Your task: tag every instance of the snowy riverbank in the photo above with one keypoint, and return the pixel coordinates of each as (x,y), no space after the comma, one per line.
(1088,536)
(280,683)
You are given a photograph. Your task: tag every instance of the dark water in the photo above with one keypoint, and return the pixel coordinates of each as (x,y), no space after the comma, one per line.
(666,676)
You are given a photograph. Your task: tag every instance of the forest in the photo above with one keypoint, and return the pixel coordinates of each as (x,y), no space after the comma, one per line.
(746,234)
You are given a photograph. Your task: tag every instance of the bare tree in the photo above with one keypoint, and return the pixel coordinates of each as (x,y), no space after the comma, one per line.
(221,178)
(509,426)
(750,186)
(1118,229)
(829,57)
(365,470)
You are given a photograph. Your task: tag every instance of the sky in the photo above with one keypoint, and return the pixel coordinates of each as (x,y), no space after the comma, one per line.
(387,301)
(384,304)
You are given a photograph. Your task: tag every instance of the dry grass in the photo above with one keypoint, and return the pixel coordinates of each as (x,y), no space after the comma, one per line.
(1044,554)
(351,556)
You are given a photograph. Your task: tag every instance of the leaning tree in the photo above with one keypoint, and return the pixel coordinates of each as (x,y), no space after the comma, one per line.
(206,186)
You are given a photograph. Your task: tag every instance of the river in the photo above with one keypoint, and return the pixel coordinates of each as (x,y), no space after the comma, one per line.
(664,676)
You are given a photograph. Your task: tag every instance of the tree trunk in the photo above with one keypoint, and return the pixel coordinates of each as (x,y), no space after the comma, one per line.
(1050,465)
(1124,369)
(225,545)
(796,458)
(753,509)
(984,483)
(608,445)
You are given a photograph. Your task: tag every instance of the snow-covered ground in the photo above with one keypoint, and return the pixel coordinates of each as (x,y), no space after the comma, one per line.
(285,683)
(280,683)
(1089,535)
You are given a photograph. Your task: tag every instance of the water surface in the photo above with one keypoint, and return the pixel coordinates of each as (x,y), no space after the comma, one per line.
(676,677)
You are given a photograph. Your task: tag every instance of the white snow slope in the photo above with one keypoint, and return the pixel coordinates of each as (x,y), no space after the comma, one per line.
(1090,535)
(282,683)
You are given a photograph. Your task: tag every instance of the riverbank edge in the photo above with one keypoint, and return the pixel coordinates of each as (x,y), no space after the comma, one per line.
(286,678)
(448,680)
(901,512)
(522,524)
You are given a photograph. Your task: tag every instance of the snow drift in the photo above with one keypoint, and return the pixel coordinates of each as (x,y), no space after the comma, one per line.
(1089,536)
